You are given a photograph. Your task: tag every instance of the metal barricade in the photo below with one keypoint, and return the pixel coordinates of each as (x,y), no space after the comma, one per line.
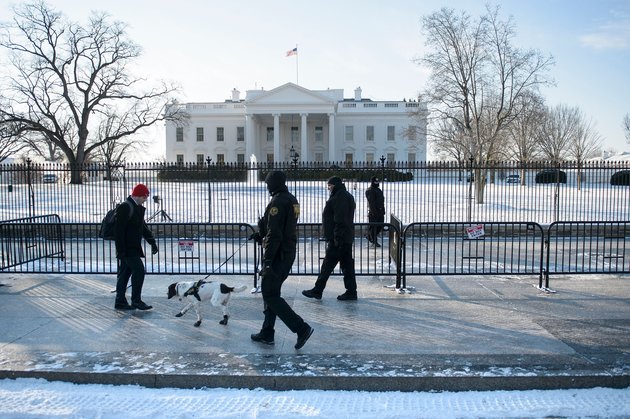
(588,247)
(473,249)
(30,239)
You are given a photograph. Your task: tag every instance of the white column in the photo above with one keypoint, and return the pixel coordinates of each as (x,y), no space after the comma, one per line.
(251,142)
(304,144)
(331,137)
(276,138)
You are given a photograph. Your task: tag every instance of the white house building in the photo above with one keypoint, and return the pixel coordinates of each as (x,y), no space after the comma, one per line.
(291,123)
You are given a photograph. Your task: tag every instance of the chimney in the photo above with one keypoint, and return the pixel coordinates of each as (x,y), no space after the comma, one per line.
(236,95)
(357,94)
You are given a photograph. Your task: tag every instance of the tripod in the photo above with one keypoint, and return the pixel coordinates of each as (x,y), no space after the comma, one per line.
(160,211)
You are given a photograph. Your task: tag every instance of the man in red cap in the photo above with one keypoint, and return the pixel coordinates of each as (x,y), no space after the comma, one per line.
(129,229)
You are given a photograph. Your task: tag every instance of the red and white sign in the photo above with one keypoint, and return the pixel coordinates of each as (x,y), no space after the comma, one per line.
(476,231)
(186,245)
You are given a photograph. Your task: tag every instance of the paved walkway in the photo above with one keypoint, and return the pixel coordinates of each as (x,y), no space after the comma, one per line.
(452,333)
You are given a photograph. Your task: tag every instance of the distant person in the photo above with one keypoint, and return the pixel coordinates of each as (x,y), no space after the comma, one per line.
(278,232)
(338,225)
(129,229)
(376,210)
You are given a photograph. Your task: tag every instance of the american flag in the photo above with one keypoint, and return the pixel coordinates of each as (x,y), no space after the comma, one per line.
(292,52)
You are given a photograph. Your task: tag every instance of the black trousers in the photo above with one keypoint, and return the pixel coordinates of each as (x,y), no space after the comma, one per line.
(274,304)
(130,267)
(343,256)
(374,230)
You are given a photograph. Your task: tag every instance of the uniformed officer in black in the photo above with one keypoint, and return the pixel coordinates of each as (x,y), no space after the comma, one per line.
(338,225)
(279,240)
(376,210)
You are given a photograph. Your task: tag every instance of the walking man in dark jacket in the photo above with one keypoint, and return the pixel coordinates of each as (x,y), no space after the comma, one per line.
(129,229)
(338,224)
(376,210)
(279,240)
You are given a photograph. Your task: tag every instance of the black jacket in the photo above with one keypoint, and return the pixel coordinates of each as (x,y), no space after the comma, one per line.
(129,231)
(278,226)
(376,201)
(338,217)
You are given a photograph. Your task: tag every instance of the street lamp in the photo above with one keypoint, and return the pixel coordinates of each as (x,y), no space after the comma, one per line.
(208,161)
(382,159)
(294,156)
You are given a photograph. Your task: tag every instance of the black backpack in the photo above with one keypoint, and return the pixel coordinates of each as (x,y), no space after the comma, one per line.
(106,231)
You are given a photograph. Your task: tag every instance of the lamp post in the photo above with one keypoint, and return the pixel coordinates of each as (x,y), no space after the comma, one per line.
(294,156)
(294,161)
(382,159)
(208,161)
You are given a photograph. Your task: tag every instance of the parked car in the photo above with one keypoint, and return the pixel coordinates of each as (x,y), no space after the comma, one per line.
(512,178)
(621,177)
(471,177)
(551,176)
(49,178)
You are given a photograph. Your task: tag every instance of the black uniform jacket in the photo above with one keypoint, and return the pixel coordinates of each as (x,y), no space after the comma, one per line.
(376,201)
(338,217)
(278,226)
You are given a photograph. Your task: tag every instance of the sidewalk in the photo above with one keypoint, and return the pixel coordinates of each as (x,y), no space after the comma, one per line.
(453,333)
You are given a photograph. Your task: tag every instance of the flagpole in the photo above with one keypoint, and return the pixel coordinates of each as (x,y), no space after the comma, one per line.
(297,74)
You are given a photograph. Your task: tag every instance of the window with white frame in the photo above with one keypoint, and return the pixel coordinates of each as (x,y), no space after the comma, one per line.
(319,134)
(269,157)
(240,158)
(199,134)
(240,133)
(295,135)
(220,158)
(179,134)
(319,157)
(369,133)
(411,133)
(391,133)
(349,158)
(411,157)
(179,158)
(349,133)
(200,159)
(391,157)
(269,133)
(220,132)
(369,157)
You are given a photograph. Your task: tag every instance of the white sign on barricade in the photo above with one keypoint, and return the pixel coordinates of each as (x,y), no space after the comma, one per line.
(476,231)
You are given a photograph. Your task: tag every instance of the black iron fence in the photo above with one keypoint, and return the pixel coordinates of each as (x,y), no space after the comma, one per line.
(423,192)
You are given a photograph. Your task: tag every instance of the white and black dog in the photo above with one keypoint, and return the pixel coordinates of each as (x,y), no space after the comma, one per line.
(198,291)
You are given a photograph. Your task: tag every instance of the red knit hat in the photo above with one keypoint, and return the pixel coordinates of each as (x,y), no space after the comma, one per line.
(140,190)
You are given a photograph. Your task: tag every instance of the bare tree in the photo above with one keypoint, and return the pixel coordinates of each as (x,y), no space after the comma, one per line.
(585,145)
(558,132)
(8,145)
(626,127)
(523,132)
(478,77)
(66,78)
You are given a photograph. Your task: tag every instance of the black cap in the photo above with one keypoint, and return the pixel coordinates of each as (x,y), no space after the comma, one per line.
(275,180)
(335,181)
(374,179)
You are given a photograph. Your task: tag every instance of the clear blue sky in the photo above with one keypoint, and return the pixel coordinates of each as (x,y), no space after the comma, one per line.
(210,47)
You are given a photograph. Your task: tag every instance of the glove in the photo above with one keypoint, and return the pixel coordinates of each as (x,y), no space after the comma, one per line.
(256,237)
(266,269)
(154,249)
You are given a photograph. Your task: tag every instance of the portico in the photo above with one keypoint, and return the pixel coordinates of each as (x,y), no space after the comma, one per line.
(294,113)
